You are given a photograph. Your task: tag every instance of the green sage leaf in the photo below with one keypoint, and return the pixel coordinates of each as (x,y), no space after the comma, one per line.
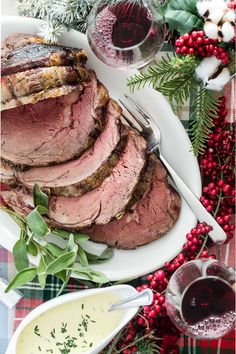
(182,15)
(42,276)
(22,277)
(65,282)
(32,249)
(55,250)
(62,262)
(36,223)
(40,198)
(66,234)
(90,274)
(20,254)
(107,254)
(82,256)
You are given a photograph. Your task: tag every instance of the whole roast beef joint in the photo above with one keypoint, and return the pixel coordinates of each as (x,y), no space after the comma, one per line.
(61,130)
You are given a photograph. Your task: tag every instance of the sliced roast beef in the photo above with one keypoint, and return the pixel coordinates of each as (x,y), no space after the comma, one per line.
(18,200)
(36,80)
(18,40)
(86,172)
(109,199)
(53,130)
(36,55)
(153,216)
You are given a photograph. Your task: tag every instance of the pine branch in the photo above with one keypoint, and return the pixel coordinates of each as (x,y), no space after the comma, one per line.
(172,76)
(204,112)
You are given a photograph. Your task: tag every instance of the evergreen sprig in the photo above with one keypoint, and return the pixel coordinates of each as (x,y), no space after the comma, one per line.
(205,107)
(172,76)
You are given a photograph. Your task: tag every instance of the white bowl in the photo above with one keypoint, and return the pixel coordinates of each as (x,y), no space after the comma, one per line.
(123,291)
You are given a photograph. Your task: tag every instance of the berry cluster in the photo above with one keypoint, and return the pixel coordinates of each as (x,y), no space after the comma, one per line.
(219,197)
(197,43)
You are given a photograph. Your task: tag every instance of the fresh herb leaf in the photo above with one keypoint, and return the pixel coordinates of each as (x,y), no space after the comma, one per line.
(20,254)
(90,274)
(22,277)
(65,282)
(82,256)
(182,15)
(107,254)
(66,234)
(42,276)
(55,250)
(61,263)
(32,249)
(36,222)
(40,198)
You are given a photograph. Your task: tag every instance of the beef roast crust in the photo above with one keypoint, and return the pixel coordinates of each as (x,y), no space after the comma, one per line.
(155,214)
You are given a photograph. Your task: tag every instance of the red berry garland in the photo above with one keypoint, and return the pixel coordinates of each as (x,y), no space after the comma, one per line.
(197,43)
(218,197)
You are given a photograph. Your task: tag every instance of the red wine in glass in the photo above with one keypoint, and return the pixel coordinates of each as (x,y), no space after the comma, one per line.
(125,33)
(208,306)
(200,299)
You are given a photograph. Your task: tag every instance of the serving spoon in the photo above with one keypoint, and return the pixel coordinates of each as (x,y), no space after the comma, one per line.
(143,298)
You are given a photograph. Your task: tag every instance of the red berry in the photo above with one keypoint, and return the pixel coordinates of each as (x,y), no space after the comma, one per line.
(178,50)
(186,37)
(157,308)
(204,254)
(194,34)
(154,284)
(161,300)
(184,50)
(199,40)
(191,51)
(150,277)
(160,275)
(153,314)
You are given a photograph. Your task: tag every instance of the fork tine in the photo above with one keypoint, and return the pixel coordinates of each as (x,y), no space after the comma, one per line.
(129,122)
(134,115)
(140,109)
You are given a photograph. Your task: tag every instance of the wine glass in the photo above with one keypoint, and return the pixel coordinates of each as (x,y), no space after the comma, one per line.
(125,33)
(200,299)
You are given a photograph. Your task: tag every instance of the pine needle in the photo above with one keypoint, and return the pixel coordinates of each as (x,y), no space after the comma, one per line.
(172,76)
(205,109)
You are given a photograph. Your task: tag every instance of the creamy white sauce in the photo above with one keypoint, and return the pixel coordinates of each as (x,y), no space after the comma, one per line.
(77,326)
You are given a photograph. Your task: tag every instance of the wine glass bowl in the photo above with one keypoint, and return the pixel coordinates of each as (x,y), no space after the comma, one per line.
(125,33)
(200,299)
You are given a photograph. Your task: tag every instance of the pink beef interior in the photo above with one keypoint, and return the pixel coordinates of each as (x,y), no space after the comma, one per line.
(79,169)
(110,198)
(50,131)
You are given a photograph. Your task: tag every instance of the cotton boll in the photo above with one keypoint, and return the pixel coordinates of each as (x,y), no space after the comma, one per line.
(219,82)
(228,31)
(203,7)
(218,4)
(211,30)
(229,16)
(216,15)
(207,67)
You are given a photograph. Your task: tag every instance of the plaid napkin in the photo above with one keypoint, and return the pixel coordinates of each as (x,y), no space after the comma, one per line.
(34,295)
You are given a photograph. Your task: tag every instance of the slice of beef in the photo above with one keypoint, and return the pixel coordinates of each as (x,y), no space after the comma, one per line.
(154,215)
(109,199)
(36,80)
(7,173)
(18,200)
(40,96)
(54,130)
(18,40)
(86,172)
(37,55)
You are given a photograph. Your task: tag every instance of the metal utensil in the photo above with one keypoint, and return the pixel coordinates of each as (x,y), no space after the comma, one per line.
(143,298)
(150,130)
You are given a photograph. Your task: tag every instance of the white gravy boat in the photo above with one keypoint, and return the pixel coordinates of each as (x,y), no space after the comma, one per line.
(122,291)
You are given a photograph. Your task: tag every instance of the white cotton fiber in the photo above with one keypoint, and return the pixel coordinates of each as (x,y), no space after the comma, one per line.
(207,67)
(228,31)
(229,16)
(211,30)
(220,81)
(203,7)
(218,4)
(216,15)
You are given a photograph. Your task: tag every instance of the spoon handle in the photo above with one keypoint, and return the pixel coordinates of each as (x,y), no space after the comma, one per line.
(217,234)
(142,298)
